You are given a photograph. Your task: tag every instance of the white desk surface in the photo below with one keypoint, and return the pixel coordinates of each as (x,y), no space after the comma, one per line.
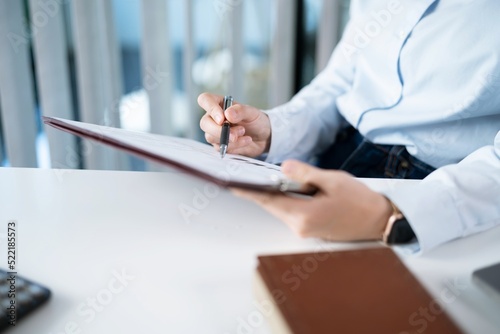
(77,227)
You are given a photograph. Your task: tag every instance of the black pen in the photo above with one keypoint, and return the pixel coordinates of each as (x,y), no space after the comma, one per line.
(226,126)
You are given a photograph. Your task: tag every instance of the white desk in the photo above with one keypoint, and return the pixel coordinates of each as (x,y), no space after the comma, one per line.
(77,227)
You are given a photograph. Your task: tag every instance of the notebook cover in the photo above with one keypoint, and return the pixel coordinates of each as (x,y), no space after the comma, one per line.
(360,291)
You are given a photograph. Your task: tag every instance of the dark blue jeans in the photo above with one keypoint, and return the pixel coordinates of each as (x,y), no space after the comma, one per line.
(354,154)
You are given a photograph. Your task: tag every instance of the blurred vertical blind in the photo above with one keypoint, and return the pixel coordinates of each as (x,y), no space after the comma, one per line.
(53,81)
(63,58)
(16,87)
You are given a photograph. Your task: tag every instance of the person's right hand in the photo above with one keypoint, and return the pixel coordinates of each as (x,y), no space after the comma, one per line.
(250,133)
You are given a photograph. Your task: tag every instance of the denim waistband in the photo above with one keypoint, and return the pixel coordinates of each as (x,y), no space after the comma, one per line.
(355,154)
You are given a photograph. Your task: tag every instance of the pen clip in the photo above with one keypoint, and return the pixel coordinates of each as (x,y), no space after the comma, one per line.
(228,102)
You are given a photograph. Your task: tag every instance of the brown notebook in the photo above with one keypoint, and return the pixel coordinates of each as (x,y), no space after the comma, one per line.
(360,291)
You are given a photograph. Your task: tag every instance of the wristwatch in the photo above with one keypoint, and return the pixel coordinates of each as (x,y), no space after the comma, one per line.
(397,230)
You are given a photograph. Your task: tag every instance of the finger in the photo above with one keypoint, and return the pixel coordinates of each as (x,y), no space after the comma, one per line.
(255,196)
(208,125)
(211,103)
(285,208)
(245,151)
(211,139)
(241,113)
(304,173)
(278,204)
(235,137)
(235,133)
(240,151)
(241,142)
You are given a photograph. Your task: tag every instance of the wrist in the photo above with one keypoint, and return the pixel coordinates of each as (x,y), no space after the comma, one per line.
(393,218)
(385,211)
(397,230)
(268,134)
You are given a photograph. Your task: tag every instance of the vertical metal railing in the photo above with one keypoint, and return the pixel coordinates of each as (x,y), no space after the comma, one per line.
(156,59)
(16,86)
(53,80)
(328,31)
(236,47)
(99,77)
(282,66)
(2,153)
(99,84)
(188,61)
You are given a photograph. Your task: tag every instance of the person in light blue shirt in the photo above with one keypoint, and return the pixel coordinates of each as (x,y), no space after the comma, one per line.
(412,90)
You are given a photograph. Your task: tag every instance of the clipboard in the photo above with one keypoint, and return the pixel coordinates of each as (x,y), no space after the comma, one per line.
(187,155)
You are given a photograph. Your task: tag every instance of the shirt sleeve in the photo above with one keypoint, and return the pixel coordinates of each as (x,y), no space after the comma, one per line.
(308,124)
(454,201)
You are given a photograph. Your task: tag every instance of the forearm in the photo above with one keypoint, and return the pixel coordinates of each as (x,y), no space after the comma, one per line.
(307,124)
(303,127)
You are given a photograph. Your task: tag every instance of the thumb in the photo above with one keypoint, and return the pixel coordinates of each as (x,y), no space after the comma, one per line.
(303,173)
(242,113)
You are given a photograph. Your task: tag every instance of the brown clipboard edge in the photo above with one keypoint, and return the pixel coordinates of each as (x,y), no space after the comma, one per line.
(55,123)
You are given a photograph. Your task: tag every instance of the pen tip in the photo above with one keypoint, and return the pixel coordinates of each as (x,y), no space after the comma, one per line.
(223,150)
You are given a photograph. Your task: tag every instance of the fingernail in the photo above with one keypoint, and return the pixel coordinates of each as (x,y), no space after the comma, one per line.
(218,119)
(241,131)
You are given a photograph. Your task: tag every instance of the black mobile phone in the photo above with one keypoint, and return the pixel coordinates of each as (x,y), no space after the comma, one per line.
(488,279)
(18,297)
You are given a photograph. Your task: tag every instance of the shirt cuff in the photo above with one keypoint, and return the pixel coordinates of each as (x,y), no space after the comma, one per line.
(431,212)
(279,143)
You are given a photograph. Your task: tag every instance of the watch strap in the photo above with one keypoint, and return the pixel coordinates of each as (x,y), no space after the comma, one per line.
(397,230)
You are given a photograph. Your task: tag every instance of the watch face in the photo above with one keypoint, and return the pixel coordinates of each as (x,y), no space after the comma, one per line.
(401,232)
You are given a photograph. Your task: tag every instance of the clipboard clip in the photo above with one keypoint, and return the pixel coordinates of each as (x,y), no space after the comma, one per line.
(287,185)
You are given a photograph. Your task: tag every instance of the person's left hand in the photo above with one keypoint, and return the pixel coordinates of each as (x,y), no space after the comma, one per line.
(343,209)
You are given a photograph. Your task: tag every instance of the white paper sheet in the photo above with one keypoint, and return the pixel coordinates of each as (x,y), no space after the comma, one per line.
(190,153)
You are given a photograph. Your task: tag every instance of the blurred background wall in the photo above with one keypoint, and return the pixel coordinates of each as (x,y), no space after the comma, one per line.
(140,65)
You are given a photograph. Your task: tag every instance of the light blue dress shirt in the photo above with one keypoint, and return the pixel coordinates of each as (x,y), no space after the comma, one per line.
(419,73)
